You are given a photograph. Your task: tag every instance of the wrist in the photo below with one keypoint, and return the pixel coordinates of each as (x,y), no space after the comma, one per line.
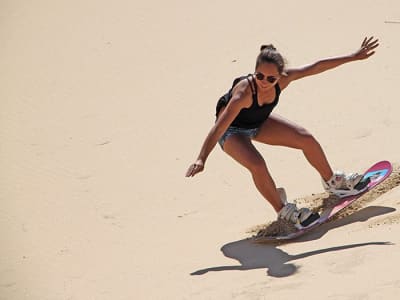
(200,161)
(353,57)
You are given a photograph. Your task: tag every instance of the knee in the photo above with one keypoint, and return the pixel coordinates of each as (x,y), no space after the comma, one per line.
(306,139)
(256,165)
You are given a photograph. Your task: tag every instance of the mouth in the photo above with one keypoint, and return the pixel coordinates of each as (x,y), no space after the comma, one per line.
(264,85)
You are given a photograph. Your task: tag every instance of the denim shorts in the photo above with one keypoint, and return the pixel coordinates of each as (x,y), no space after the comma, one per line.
(249,132)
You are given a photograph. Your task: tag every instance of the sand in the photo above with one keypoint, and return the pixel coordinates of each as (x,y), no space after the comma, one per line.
(105,104)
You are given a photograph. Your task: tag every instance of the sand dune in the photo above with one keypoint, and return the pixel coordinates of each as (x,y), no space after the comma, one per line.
(103,106)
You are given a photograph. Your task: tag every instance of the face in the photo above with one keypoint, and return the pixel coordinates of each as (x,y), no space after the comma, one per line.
(267,75)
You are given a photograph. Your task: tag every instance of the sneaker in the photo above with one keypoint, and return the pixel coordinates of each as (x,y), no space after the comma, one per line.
(299,217)
(291,213)
(344,185)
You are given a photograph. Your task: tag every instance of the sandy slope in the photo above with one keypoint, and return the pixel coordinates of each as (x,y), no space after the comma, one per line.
(105,104)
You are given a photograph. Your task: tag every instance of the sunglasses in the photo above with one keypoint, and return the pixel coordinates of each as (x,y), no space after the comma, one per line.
(270,79)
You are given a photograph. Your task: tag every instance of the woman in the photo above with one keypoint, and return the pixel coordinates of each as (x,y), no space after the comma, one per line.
(244,115)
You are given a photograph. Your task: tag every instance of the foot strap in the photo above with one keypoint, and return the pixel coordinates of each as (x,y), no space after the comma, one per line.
(311,219)
(362,184)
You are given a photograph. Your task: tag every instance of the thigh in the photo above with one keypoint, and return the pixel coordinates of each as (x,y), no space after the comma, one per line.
(241,149)
(277,130)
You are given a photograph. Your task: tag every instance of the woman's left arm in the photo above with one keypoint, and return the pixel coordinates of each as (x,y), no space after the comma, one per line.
(364,52)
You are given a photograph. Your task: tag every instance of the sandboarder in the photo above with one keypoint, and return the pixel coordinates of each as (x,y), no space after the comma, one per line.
(244,114)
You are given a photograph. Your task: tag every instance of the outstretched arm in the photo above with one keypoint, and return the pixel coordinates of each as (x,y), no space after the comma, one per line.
(364,52)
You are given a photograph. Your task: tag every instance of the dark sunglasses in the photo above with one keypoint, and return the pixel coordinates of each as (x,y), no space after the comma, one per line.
(270,79)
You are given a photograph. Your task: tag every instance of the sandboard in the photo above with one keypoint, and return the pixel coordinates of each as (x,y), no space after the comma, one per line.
(372,177)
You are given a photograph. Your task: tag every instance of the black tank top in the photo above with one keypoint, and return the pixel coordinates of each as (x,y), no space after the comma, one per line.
(253,116)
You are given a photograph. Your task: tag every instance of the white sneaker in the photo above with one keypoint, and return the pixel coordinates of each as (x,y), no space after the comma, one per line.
(343,185)
(291,213)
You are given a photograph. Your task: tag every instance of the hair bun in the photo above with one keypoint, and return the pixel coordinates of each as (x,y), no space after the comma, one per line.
(268,47)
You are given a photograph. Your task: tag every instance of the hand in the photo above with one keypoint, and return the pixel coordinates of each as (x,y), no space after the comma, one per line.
(195,168)
(365,51)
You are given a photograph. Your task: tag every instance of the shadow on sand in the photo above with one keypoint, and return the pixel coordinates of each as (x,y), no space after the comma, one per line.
(253,256)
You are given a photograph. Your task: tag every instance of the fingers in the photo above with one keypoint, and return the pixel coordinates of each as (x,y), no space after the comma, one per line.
(363,43)
(194,169)
(370,54)
(369,43)
(367,47)
(373,44)
(190,171)
(369,40)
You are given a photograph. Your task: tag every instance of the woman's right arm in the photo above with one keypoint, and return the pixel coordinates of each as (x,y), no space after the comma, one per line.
(240,99)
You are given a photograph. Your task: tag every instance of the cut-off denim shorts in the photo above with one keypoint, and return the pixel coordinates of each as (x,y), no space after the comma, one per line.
(249,132)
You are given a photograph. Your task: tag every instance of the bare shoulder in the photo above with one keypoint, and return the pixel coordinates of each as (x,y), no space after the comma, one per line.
(242,93)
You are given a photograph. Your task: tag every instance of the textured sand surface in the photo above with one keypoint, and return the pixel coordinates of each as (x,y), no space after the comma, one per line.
(103,106)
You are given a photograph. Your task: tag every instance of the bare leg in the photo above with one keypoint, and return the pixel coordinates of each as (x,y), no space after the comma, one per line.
(243,151)
(279,131)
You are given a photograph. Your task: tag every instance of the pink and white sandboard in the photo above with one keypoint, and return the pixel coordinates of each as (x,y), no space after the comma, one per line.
(374,175)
